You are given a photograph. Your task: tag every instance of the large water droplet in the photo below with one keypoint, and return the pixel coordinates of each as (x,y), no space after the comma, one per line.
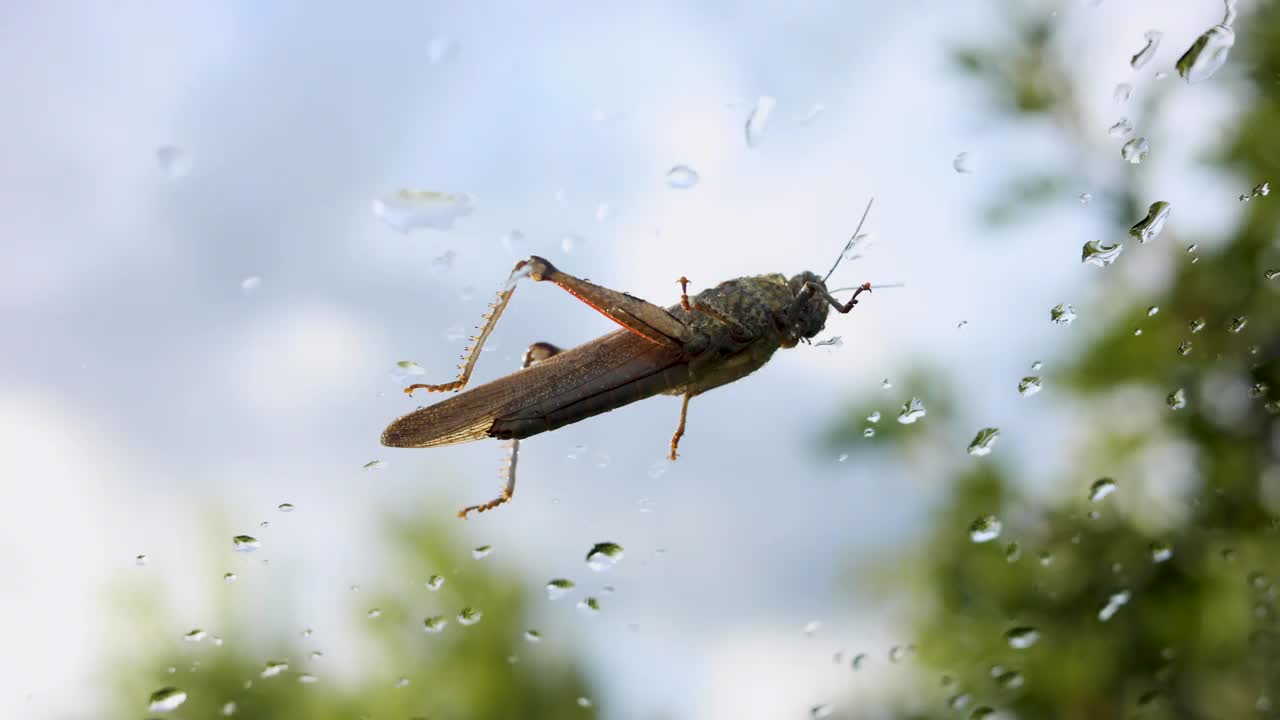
(245,543)
(1196,325)
(1062,314)
(1143,56)
(912,411)
(1021,638)
(1095,253)
(985,529)
(409,210)
(1150,227)
(469,616)
(603,556)
(874,417)
(1207,54)
(558,588)
(682,177)
(435,624)
(758,121)
(285,507)
(1135,151)
(166,699)
(1177,399)
(1029,386)
(982,442)
(1101,488)
(1237,324)
(1113,605)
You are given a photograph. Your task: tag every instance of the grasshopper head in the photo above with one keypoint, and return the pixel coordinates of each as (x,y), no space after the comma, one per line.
(808,313)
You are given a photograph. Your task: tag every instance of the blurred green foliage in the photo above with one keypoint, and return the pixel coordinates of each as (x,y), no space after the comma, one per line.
(1167,618)
(485,670)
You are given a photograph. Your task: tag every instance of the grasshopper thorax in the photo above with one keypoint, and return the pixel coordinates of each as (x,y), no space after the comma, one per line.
(808,313)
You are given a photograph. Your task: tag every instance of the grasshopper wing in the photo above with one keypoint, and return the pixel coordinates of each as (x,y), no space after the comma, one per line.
(609,372)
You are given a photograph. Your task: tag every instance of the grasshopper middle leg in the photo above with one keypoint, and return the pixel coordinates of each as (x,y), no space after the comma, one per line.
(684,414)
(536,353)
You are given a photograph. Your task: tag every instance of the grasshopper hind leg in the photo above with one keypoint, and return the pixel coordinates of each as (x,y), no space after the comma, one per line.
(684,414)
(536,353)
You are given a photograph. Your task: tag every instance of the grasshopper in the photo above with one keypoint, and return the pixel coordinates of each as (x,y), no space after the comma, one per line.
(719,335)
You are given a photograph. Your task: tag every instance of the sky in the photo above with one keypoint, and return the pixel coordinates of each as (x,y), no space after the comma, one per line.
(191,345)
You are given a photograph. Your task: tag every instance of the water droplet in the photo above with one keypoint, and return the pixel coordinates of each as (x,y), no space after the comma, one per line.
(1062,314)
(1101,488)
(874,417)
(250,284)
(985,529)
(897,653)
(1021,638)
(441,50)
(374,613)
(758,121)
(1035,366)
(886,384)
(1029,386)
(577,452)
(435,624)
(469,616)
(1262,190)
(434,583)
(1135,151)
(195,635)
(1184,348)
(245,543)
(308,679)
(842,457)
(374,465)
(858,660)
(811,627)
(821,712)
(1207,54)
(1160,552)
(273,668)
(1013,552)
(1046,558)
(982,713)
(1196,325)
(1095,253)
(229,708)
(1153,310)
(1177,399)
(285,507)
(682,177)
(589,605)
(409,210)
(141,560)
(603,556)
(584,702)
(912,411)
(1113,604)
(1122,93)
(1143,56)
(1085,197)
(1150,227)
(229,577)
(1237,324)
(1010,680)
(961,164)
(834,341)
(869,432)
(482,552)
(1122,128)
(658,468)
(533,636)
(444,262)
(602,212)
(166,699)
(959,702)
(558,588)
(982,442)
(173,161)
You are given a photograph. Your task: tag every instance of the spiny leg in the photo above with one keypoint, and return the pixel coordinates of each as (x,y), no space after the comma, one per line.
(536,353)
(684,413)
(736,330)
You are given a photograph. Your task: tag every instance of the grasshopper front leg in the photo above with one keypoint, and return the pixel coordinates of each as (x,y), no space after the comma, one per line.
(643,318)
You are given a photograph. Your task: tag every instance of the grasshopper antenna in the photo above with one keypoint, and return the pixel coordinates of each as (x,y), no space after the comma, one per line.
(849,244)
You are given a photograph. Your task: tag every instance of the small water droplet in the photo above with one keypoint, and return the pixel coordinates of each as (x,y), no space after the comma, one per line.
(435,582)
(985,529)
(228,708)
(1262,190)
(1153,310)
(869,432)
(375,465)
(1029,386)
(961,164)
(1095,253)
(1035,366)
(584,702)
(285,507)
(1122,128)
(1177,399)
(1084,198)
(758,121)
(1046,558)
(308,679)
(513,242)
(858,661)
(1021,638)
(874,417)
(604,555)
(245,543)
(821,712)
(410,210)
(250,284)
(658,468)
(577,452)
(1122,93)
(1207,54)
(886,384)
(482,552)
(1135,151)
(273,668)
(1101,488)
(533,636)
(1010,680)
(229,577)
(834,341)
(1113,604)
(912,411)
(195,635)
(1062,314)
(1013,552)
(374,613)
(1184,348)
(982,713)
(173,161)
(1143,56)
(1196,325)
(589,605)
(141,560)
(1237,324)
(166,699)
(842,457)
(558,588)
(435,624)
(811,627)
(1160,552)
(602,212)
(1150,227)
(682,177)
(571,244)
(959,702)
(469,616)
(983,441)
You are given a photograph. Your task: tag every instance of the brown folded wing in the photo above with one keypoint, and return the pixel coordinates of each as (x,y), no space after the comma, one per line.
(601,375)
